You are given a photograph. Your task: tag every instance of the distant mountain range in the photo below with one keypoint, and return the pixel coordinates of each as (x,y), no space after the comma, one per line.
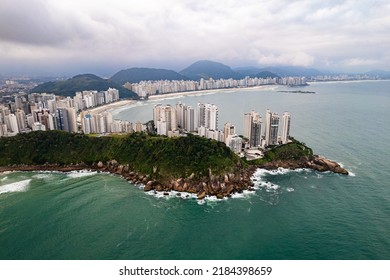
(209,69)
(201,69)
(80,83)
(379,73)
(135,75)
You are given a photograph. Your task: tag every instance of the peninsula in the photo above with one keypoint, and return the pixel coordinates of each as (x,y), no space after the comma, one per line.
(186,164)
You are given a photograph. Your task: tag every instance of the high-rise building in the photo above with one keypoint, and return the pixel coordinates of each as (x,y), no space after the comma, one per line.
(62,119)
(189,124)
(252,128)
(234,142)
(201,115)
(87,124)
(228,129)
(21,119)
(208,116)
(181,114)
(166,119)
(286,127)
(66,119)
(13,123)
(271,129)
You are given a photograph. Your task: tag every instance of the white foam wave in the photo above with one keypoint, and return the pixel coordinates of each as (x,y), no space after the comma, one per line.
(20,186)
(280,171)
(41,176)
(351,174)
(81,173)
(171,194)
(244,194)
(3,179)
(290,189)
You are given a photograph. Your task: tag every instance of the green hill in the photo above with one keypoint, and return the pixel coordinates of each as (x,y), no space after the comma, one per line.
(209,69)
(173,157)
(135,75)
(80,83)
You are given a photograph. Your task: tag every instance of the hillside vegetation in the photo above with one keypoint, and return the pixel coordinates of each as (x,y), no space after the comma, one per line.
(135,75)
(83,82)
(170,157)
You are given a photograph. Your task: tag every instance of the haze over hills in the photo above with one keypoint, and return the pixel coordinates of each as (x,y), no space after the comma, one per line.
(280,71)
(209,69)
(380,73)
(80,83)
(201,69)
(136,74)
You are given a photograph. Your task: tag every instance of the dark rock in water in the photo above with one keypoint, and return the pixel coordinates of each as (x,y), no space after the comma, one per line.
(202,195)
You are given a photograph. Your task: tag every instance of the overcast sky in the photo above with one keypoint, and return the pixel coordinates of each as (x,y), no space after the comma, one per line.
(102,37)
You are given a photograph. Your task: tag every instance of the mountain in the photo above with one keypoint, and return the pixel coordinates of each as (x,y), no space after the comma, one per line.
(80,83)
(380,73)
(264,74)
(209,69)
(135,75)
(247,71)
(284,71)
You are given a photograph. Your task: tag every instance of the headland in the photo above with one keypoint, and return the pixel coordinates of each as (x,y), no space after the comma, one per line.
(186,164)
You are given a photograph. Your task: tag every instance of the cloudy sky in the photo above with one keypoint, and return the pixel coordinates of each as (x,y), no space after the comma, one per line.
(102,37)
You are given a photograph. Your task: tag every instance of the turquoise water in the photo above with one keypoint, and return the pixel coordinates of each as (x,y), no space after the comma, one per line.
(292,214)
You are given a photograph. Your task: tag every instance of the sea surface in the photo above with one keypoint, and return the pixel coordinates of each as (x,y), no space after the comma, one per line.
(299,214)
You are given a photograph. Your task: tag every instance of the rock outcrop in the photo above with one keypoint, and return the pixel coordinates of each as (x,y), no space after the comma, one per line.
(213,185)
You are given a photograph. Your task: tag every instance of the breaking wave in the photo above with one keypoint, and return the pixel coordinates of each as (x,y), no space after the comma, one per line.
(81,173)
(21,186)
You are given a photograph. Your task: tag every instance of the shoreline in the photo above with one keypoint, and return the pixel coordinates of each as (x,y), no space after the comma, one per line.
(207,91)
(220,186)
(111,106)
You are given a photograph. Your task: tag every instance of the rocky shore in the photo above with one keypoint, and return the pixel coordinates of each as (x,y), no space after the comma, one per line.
(315,162)
(220,186)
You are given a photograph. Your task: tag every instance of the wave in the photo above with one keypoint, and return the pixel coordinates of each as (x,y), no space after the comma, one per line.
(351,174)
(21,186)
(81,173)
(3,179)
(42,176)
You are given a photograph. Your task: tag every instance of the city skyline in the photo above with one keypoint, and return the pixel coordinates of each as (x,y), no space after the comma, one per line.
(86,36)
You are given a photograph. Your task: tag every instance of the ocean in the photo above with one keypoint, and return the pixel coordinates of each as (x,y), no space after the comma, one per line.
(299,214)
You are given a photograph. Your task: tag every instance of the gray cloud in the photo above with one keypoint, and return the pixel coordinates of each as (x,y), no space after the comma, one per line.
(83,34)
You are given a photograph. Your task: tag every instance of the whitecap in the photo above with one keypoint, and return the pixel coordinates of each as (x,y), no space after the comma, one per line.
(290,189)
(244,194)
(42,176)
(20,186)
(81,173)
(3,179)
(351,174)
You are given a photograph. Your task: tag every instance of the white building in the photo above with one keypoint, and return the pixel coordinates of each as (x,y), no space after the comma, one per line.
(228,129)
(234,142)
(286,127)
(252,128)
(271,128)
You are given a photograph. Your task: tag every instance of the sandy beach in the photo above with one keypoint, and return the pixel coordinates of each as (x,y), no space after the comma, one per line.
(111,106)
(211,91)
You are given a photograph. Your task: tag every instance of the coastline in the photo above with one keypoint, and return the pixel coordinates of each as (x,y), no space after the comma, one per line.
(111,106)
(220,186)
(208,91)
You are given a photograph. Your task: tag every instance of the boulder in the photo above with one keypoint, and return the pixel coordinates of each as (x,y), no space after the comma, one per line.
(202,195)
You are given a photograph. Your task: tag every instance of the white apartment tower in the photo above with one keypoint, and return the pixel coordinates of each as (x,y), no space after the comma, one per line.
(286,127)
(252,128)
(228,129)
(189,124)
(208,116)
(166,120)
(271,128)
